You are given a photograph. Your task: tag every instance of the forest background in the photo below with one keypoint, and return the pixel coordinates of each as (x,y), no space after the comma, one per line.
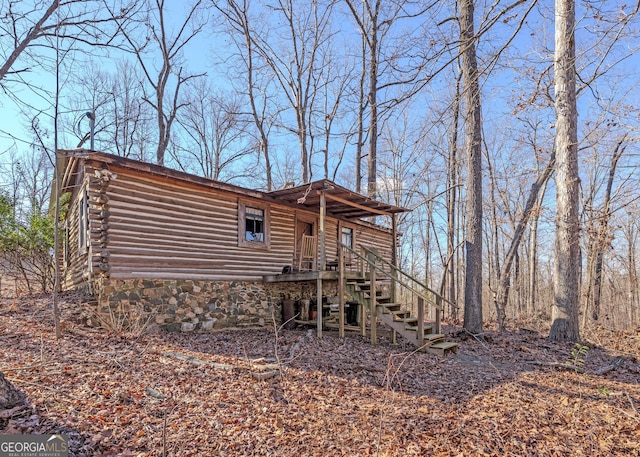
(371,94)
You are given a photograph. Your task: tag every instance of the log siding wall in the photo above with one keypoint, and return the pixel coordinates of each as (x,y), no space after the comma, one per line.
(161,232)
(75,261)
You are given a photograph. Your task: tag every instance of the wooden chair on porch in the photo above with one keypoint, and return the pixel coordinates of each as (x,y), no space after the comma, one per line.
(308,249)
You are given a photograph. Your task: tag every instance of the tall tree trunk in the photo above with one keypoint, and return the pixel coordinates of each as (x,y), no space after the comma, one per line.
(427,246)
(602,240)
(494,236)
(361,110)
(504,277)
(452,181)
(632,288)
(372,167)
(566,281)
(516,284)
(304,150)
(533,258)
(56,213)
(473,149)
(367,20)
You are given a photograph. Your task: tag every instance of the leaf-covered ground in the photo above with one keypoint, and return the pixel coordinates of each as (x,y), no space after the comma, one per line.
(124,394)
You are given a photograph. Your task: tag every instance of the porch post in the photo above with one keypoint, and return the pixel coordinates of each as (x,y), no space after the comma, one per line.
(323,245)
(420,332)
(363,311)
(341,288)
(394,257)
(322,266)
(319,307)
(373,302)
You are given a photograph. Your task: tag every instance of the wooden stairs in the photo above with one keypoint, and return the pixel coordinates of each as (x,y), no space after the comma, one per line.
(398,319)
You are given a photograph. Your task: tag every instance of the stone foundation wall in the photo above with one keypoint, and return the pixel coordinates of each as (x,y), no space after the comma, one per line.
(189,305)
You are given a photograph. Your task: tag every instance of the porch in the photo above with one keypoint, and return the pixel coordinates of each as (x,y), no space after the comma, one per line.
(371,280)
(331,304)
(380,293)
(334,258)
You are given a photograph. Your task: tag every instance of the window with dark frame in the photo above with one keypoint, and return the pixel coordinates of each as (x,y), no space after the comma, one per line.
(254,224)
(347,236)
(66,251)
(83,224)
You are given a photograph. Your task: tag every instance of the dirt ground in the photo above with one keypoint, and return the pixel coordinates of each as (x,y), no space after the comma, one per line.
(287,393)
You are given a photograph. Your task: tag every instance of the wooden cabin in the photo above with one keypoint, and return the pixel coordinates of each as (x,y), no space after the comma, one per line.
(188,253)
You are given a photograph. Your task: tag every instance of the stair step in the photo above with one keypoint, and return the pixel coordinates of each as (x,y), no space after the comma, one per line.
(443,347)
(347,327)
(393,312)
(428,328)
(395,315)
(406,320)
(379,297)
(398,313)
(357,278)
(387,306)
(434,337)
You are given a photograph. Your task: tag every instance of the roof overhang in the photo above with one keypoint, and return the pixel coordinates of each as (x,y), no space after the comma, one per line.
(340,201)
(68,161)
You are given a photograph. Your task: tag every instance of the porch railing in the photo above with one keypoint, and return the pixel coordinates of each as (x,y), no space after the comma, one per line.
(370,261)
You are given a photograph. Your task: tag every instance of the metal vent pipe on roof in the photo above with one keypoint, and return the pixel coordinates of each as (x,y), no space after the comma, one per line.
(92,125)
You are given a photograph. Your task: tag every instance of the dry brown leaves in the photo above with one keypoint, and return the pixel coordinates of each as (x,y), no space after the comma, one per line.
(124,395)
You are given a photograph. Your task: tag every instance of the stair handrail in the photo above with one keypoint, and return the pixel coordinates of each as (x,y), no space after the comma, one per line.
(374,252)
(393,278)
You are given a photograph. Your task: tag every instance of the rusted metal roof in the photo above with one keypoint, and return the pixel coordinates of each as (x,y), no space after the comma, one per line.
(340,201)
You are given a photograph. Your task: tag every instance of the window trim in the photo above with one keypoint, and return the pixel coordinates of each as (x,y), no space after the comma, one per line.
(353,233)
(66,248)
(242,220)
(83,223)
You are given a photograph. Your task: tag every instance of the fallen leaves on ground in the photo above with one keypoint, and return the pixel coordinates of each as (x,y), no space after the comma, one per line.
(124,394)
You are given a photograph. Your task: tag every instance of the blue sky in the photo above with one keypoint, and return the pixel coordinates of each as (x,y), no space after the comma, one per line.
(511,81)
(207,53)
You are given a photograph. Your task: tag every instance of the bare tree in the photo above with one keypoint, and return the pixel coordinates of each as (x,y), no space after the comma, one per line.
(566,281)
(130,120)
(368,20)
(26,229)
(449,277)
(629,261)
(296,53)
(337,78)
(473,151)
(362,107)
(240,23)
(91,95)
(167,81)
(375,19)
(600,236)
(122,119)
(504,273)
(215,132)
(24,25)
